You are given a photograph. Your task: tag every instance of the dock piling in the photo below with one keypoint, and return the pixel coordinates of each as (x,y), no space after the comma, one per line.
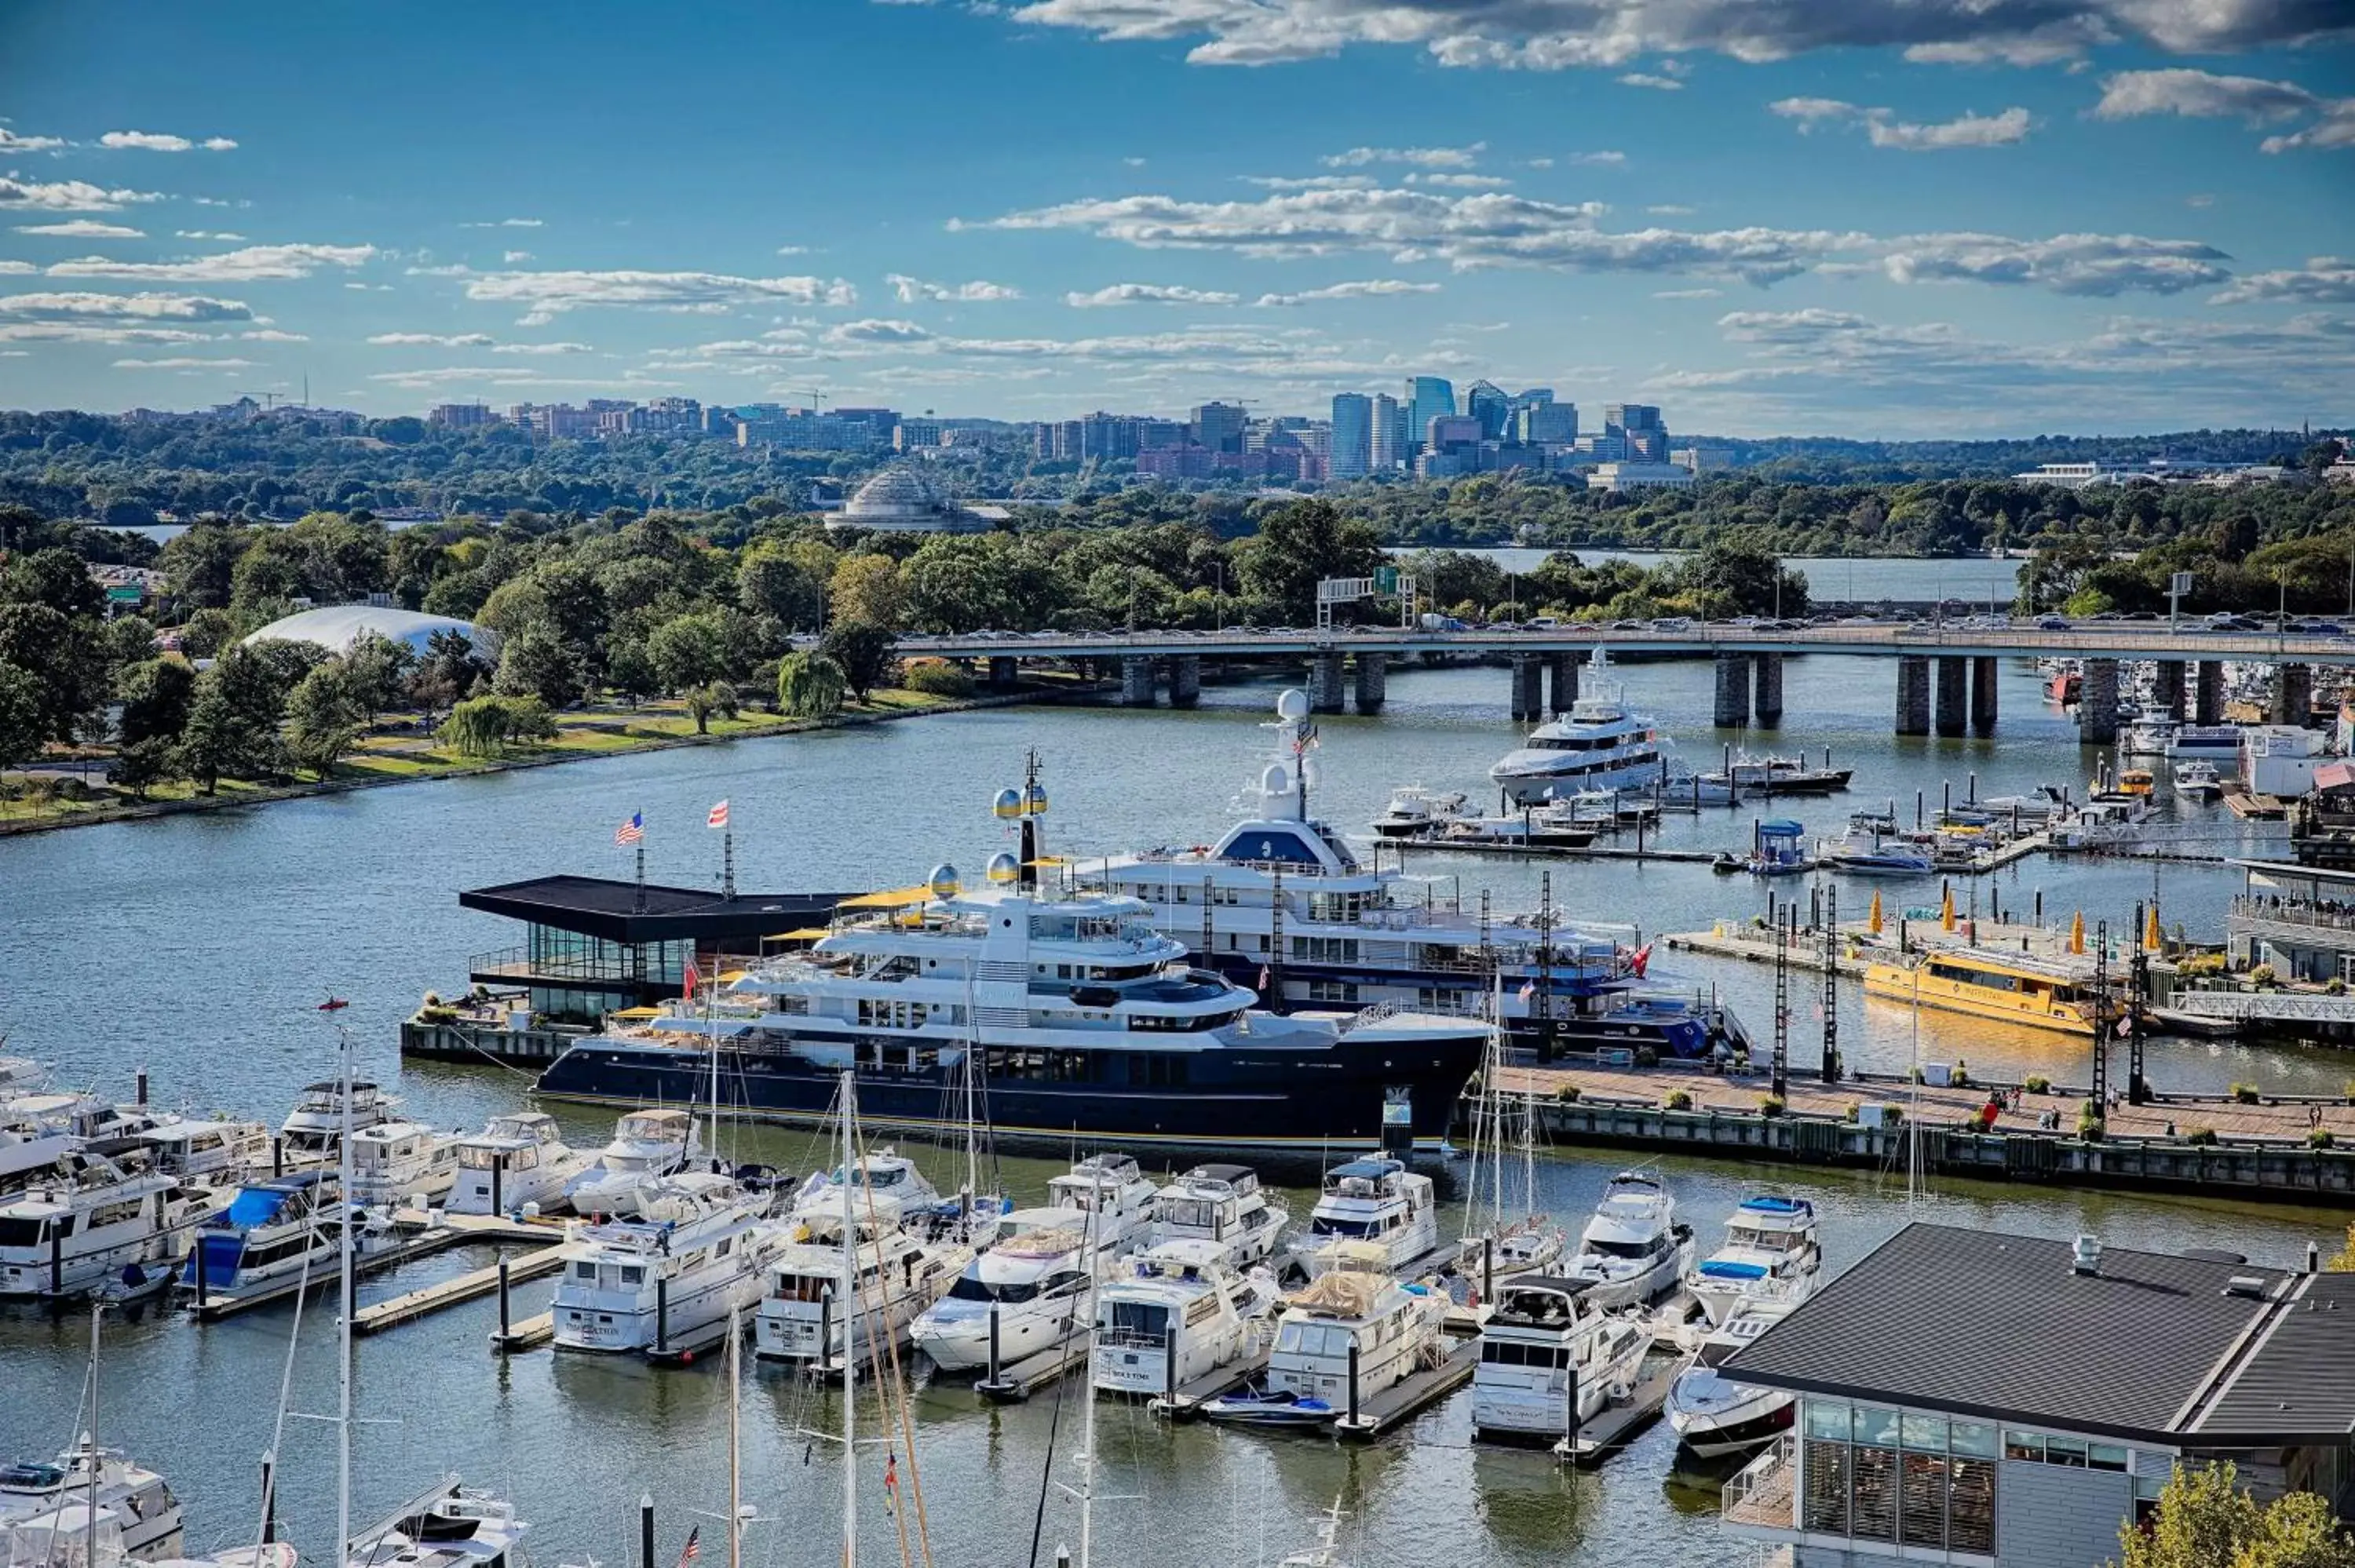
(1488,1268)
(661,1310)
(269,1499)
(142,1092)
(826,1330)
(1353,1381)
(1169,1361)
(646,1530)
(498,1170)
(993,1343)
(506,1326)
(277,1157)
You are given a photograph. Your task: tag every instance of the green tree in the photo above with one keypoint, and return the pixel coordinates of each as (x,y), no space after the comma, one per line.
(199,566)
(861,651)
(325,716)
(632,672)
(1298,545)
(769,582)
(54,576)
(487,725)
(809,685)
(64,657)
(21,722)
(156,695)
(713,697)
(233,719)
(127,639)
(378,669)
(535,662)
(866,588)
(449,671)
(206,633)
(2204,1520)
(687,651)
(1736,575)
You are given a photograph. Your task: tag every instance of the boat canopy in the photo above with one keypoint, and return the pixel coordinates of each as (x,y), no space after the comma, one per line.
(256,1206)
(1719,1268)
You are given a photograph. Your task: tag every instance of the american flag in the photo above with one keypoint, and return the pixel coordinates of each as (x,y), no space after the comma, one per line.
(718,817)
(632,831)
(694,1547)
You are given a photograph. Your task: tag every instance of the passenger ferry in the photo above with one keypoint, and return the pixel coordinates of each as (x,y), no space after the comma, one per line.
(519,1158)
(1373,1203)
(1181,1311)
(1090,1023)
(2039,993)
(1770,1253)
(666,1279)
(1549,1360)
(99,1210)
(1221,1203)
(136,1498)
(901,1275)
(2216,743)
(1598,745)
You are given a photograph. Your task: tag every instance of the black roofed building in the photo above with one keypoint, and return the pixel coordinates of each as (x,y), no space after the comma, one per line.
(1973,1398)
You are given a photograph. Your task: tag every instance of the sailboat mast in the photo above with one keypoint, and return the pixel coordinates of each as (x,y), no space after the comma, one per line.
(846,1314)
(735,1465)
(1088,1399)
(89,1519)
(344,1317)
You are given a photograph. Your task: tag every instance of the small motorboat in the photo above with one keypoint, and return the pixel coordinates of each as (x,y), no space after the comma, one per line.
(1870,855)
(1250,1406)
(2198,781)
(1414,810)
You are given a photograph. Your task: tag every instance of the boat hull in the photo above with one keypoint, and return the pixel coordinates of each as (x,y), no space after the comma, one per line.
(1891,983)
(1713,1418)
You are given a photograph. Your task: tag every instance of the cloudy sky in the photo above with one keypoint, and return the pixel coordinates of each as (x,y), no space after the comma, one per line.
(1896,217)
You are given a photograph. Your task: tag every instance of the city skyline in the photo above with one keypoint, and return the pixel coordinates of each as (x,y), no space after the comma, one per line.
(2099,218)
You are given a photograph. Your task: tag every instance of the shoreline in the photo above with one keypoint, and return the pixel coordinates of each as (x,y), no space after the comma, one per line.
(146,811)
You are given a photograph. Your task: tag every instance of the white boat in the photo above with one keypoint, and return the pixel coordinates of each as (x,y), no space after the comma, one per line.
(1110,1199)
(664,1278)
(36,1127)
(100,1210)
(1374,1199)
(1771,1254)
(1221,1204)
(2216,743)
(137,1499)
(1633,1250)
(215,1153)
(401,1163)
(311,1130)
(272,1230)
(901,1275)
(646,1145)
(2197,780)
(2046,800)
(1415,812)
(1598,745)
(1712,1415)
(450,1527)
(1549,1360)
(1870,854)
(886,1186)
(20,1076)
(1035,1285)
(1396,1329)
(519,1158)
(1181,1311)
(2149,737)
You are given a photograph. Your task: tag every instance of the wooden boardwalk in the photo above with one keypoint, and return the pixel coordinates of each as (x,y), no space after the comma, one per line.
(465,1287)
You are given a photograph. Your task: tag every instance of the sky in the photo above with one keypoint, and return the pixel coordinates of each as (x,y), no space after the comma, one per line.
(1866,217)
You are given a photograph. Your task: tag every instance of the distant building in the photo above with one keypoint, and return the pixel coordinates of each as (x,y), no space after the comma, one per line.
(1548,424)
(1427,397)
(337,627)
(458,415)
(912,434)
(1624,476)
(1351,452)
(1490,404)
(1389,434)
(899,501)
(1703,460)
(1641,432)
(1220,426)
(1187,461)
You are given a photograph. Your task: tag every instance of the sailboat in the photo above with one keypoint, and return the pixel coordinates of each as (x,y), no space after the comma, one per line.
(1531,1242)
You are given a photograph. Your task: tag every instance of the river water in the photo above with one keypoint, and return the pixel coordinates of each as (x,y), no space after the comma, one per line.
(197,946)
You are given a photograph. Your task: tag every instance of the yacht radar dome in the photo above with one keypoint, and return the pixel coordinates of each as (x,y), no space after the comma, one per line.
(1007,805)
(1034,799)
(1292,704)
(943,882)
(1003,867)
(1275,782)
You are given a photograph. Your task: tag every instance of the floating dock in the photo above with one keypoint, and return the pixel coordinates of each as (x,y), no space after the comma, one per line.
(426,1236)
(1552,851)
(1859,945)
(543,1260)
(1617,1424)
(1382,1412)
(1017,1381)
(1187,1401)
(530,1334)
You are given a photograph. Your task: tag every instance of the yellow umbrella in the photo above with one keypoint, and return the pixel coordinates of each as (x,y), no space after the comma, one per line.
(2077,932)
(2151,939)
(1946,908)
(1872,921)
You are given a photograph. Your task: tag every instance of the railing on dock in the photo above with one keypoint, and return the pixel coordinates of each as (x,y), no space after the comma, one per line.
(1761,1495)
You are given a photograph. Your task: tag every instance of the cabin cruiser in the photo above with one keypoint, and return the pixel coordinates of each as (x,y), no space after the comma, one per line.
(1375,1201)
(1359,1304)
(1550,1359)
(97,1211)
(135,1497)
(270,1230)
(451,1526)
(901,1275)
(20,1076)
(1415,812)
(2149,736)
(1771,776)
(1712,1415)
(1110,1198)
(1633,1250)
(1598,745)
(1221,1204)
(1034,1286)
(401,1161)
(2197,780)
(36,1128)
(1180,1311)
(202,1150)
(1872,855)
(1770,1253)
(519,1158)
(311,1130)
(2214,743)
(886,1184)
(665,1277)
(2046,800)
(1090,1025)
(647,1144)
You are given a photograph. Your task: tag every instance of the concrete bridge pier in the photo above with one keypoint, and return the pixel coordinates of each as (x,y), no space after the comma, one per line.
(2293,693)
(1766,689)
(2097,704)
(2168,688)
(1528,680)
(1136,682)
(1912,695)
(1954,690)
(1324,695)
(1373,682)
(1563,682)
(1184,680)
(2208,692)
(1002,672)
(1985,671)
(1733,691)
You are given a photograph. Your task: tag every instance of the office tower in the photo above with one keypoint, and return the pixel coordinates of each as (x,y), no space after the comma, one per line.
(1353,435)
(1548,424)
(1220,426)
(1488,403)
(1428,398)
(1389,434)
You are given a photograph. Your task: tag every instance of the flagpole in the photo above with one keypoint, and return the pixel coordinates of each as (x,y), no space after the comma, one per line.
(728,864)
(638,901)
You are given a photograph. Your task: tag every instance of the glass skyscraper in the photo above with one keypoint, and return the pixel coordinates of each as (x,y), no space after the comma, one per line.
(1428,398)
(1352,450)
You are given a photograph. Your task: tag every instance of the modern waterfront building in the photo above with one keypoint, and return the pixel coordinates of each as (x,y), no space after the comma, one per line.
(1351,452)
(1427,398)
(2300,919)
(1969,1397)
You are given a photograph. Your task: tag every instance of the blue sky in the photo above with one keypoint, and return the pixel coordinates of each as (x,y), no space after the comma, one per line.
(1848,217)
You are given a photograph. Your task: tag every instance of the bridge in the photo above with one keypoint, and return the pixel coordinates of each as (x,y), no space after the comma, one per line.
(1945,670)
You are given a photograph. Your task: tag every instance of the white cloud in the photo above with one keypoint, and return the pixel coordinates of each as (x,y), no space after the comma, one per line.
(1687,293)
(1541,162)
(11,268)
(1461,182)
(910,290)
(184,362)
(431,339)
(512,256)
(2324,280)
(255,263)
(543,348)
(1886,130)
(1147,294)
(508,223)
(2096,265)
(162,142)
(548,295)
(1312,182)
(875,331)
(1370,289)
(1606,159)
(1422,157)
(271,334)
(65,195)
(1133,162)
(222,235)
(83,228)
(145,307)
(10,142)
(1656,83)
(2199,94)
(1670,209)
(792,250)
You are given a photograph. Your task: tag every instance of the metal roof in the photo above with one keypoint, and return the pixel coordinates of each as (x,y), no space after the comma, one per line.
(623,912)
(2179,1350)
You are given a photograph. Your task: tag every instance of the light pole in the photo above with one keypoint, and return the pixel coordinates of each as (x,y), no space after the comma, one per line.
(1220,569)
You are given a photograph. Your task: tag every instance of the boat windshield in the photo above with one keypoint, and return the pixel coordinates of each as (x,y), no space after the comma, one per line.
(1193,1213)
(1616,1249)
(1326,1340)
(17,1233)
(968,1288)
(1329,1225)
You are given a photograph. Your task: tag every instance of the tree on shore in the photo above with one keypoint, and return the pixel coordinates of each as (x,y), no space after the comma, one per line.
(156,695)
(487,725)
(20,716)
(711,697)
(233,720)
(810,685)
(2204,1520)
(325,716)
(861,651)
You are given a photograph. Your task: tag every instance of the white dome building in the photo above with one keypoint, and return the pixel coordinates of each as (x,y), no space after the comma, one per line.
(899,500)
(337,627)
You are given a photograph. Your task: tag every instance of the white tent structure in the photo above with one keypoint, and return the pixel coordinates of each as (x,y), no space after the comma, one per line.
(338,627)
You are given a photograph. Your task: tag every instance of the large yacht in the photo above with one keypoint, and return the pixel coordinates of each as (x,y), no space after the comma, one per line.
(1111,1188)
(1090,1024)
(1598,745)
(1770,1253)
(519,1158)
(270,1230)
(1550,1359)
(97,1211)
(1375,1202)
(1029,1293)
(1180,1311)
(665,1279)
(1221,1204)
(1633,1250)
(900,1274)
(399,1162)
(1395,1327)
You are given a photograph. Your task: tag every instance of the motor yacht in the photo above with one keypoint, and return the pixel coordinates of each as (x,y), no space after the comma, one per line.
(1771,776)
(451,1526)
(97,1211)
(1549,1360)
(901,1275)
(663,1277)
(36,1127)
(1035,1285)
(646,1146)
(2215,743)
(1598,745)
(2197,780)
(1180,1312)
(887,1187)
(136,1499)
(311,1130)
(1375,1201)
(1395,1329)
(1770,1253)
(519,1158)
(206,1150)
(1871,855)
(1112,1189)
(272,1230)
(401,1161)
(1713,1416)
(1414,811)
(1633,1250)
(1221,1204)
(2149,737)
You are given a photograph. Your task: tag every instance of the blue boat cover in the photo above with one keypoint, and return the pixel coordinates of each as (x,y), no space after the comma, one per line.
(1368,1167)
(255,1206)
(1715,1269)
(1780,828)
(1774,1204)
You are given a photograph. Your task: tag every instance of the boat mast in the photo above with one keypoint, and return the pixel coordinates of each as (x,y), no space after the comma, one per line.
(735,1466)
(344,1316)
(847,1315)
(89,1519)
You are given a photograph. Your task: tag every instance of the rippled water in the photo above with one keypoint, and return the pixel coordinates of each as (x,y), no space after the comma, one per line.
(197,946)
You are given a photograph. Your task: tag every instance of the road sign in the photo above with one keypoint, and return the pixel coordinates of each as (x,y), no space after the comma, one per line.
(1386,580)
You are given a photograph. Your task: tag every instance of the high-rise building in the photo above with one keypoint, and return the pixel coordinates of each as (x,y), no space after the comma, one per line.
(1389,443)
(1428,398)
(1353,436)
(458,415)
(1219,426)
(1639,428)
(1488,403)
(1547,424)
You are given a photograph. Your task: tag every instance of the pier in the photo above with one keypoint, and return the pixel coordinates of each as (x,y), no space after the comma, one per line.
(1187,1400)
(546,1256)
(1621,1421)
(1369,1418)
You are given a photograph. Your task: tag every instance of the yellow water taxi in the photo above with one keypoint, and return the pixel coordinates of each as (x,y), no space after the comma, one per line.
(2135,781)
(2056,994)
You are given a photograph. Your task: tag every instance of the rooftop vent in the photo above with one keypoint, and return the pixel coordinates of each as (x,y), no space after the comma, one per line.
(2085,1258)
(2248,1284)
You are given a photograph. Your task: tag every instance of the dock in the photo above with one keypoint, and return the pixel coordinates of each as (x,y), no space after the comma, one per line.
(1383,1411)
(544,1260)
(424,1237)
(1017,1381)
(1187,1402)
(1553,851)
(1859,946)
(1617,1424)
(528,1335)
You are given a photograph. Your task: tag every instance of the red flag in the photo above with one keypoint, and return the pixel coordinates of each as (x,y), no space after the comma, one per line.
(717,816)
(689,979)
(1263,977)
(694,1547)
(1642,959)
